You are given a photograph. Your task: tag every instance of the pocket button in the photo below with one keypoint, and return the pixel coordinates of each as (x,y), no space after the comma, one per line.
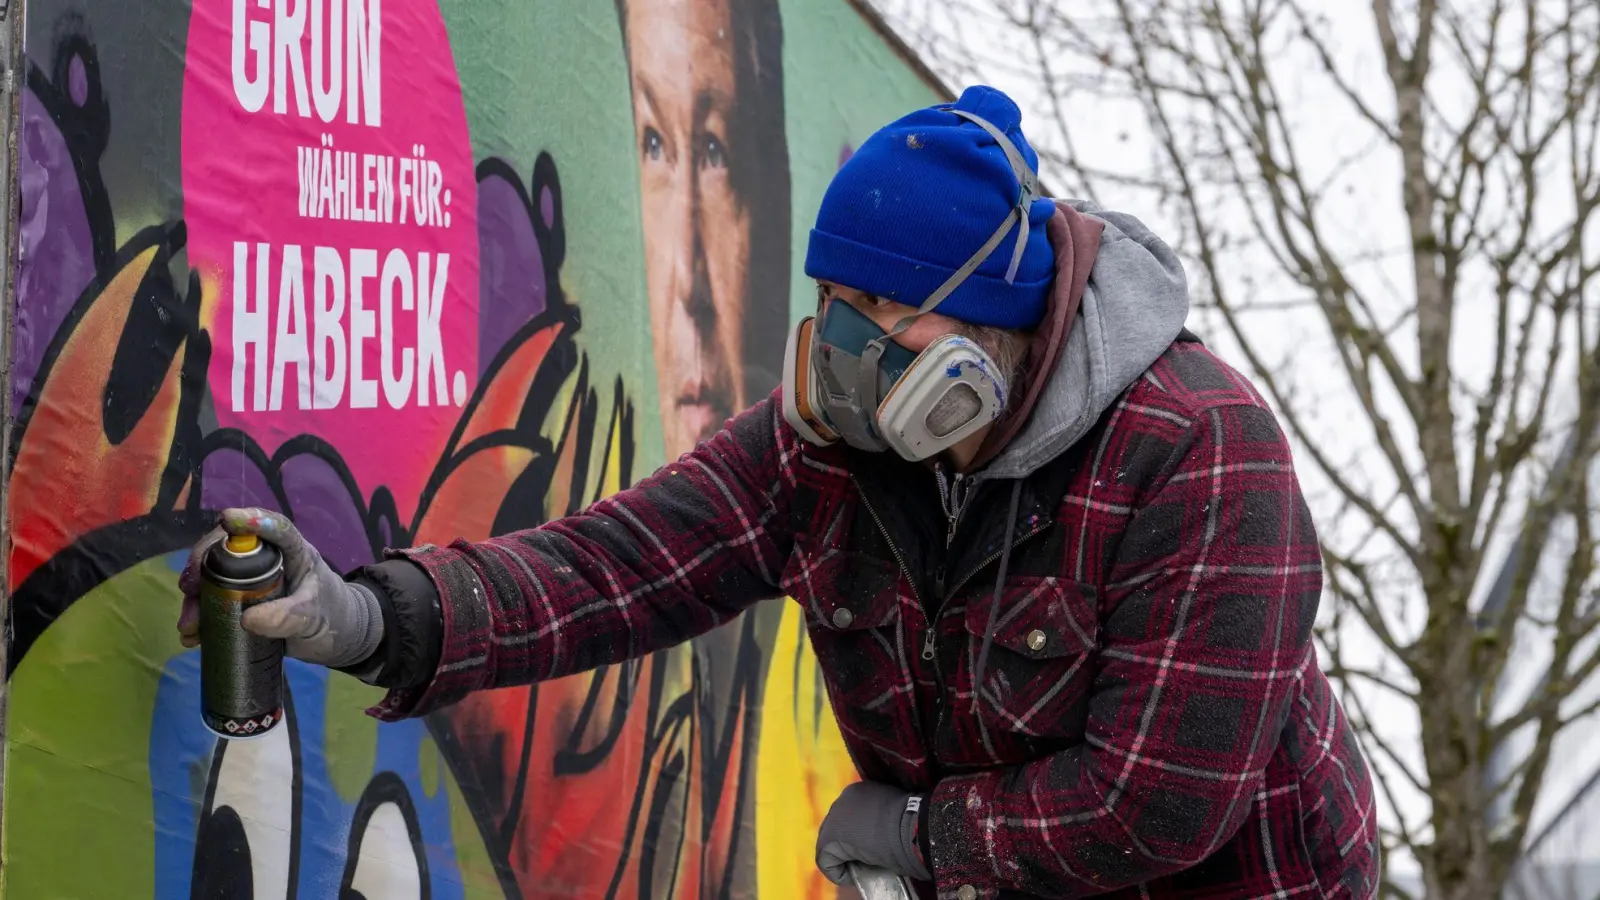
(843,617)
(1036,640)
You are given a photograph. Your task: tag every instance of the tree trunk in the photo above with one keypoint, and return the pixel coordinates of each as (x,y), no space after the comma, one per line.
(1460,863)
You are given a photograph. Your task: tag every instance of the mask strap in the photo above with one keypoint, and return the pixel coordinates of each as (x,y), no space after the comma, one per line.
(864,399)
(867,379)
(1028,193)
(867,385)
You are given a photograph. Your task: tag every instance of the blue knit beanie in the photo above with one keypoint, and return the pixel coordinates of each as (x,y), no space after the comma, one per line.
(920,197)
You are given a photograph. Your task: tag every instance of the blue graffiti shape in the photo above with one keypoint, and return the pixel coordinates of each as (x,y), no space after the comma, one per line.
(261,818)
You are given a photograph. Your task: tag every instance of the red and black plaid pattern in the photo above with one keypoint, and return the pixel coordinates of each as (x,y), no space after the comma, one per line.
(1213,761)
(671,558)
(1151,722)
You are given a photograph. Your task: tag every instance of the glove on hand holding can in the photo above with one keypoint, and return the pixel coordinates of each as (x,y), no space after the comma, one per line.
(321,618)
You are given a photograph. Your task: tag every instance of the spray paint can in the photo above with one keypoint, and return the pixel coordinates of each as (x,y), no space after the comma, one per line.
(241,673)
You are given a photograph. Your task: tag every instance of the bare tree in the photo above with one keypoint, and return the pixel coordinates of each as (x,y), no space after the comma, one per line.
(1388,215)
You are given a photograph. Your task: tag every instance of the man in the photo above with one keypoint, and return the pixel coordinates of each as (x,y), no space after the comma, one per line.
(1063,609)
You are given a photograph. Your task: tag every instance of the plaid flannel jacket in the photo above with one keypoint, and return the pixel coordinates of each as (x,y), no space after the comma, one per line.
(1152,720)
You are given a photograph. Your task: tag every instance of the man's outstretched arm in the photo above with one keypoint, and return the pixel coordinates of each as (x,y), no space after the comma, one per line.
(666,560)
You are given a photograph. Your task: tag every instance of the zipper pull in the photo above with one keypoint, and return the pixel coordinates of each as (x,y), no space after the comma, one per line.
(933,625)
(952,512)
(957,503)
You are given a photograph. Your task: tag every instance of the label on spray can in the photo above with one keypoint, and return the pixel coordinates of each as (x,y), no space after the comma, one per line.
(241,673)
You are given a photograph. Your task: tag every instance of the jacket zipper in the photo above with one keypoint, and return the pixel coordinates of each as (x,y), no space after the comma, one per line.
(996,555)
(954,512)
(899,560)
(954,500)
(938,590)
(930,650)
(927,736)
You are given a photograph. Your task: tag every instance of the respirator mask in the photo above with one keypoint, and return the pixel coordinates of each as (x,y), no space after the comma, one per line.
(844,378)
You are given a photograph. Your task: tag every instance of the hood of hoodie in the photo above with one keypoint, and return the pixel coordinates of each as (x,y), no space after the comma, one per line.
(1134,305)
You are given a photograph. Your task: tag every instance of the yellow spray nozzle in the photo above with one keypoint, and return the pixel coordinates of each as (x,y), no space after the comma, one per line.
(241,544)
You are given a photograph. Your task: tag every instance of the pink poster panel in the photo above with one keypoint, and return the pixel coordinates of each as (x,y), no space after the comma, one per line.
(330,198)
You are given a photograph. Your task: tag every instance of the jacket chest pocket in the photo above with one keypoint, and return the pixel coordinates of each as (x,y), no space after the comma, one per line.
(852,604)
(1037,674)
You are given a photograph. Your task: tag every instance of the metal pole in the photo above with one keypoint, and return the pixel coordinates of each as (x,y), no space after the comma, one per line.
(13,16)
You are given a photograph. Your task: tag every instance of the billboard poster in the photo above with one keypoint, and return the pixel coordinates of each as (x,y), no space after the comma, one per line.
(404,270)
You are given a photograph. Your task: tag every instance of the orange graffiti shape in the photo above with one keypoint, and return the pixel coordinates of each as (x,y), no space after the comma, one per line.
(567,834)
(69,479)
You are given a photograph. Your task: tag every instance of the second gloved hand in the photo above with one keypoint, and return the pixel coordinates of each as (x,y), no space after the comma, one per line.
(874,824)
(322,618)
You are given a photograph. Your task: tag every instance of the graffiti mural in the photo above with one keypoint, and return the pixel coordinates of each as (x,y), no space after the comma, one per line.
(142,401)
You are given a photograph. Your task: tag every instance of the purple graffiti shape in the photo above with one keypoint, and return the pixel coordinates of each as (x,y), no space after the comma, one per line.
(316,490)
(326,510)
(229,478)
(57,252)
(511,273)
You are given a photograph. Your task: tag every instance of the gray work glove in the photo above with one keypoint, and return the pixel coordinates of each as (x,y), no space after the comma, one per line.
(322,618)
(874,824)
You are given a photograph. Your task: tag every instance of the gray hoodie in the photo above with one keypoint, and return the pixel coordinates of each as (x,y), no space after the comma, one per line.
(1133,307)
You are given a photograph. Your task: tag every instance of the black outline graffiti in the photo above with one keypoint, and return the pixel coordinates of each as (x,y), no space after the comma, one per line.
(385,787)
(166,316)
(160,318)
(86,128)
(200,885)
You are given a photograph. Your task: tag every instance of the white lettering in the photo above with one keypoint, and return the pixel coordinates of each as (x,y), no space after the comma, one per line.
(430,345)
(386,188)
(249,325)
(289,341)
(345,41)
(363,325)
(287,30)
(396,273)
(327,96)
(353,166)
(405,187)
(355,212)
(341,186)
(369,186)
(359,187)
(307,157)
(329,325)
(362,58)
(251,92)
(325,205)
(435,191)
(315,357)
